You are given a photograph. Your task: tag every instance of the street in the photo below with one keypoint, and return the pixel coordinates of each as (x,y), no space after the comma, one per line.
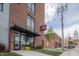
(71,52)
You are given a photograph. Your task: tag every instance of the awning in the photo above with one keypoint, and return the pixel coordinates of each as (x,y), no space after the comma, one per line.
(28,32)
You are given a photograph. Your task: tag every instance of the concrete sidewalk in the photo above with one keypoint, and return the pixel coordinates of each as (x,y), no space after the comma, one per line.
(30,53)
(53,49)
(72,52)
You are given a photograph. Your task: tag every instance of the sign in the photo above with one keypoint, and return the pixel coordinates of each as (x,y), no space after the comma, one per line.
(43,28)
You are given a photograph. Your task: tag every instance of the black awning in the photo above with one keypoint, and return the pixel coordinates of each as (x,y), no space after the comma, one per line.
(28,32)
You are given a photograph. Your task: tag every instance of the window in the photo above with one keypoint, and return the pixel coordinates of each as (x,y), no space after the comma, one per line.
(29,41)
(1,6)
(31,7)
(23,40)
(30,23)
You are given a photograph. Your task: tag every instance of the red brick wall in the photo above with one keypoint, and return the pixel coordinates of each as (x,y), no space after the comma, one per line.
(18,14)
(39,20)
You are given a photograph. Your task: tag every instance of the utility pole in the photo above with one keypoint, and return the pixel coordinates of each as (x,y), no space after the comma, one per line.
(60,10)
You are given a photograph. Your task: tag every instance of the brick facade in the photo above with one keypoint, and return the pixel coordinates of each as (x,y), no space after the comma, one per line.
(18,16)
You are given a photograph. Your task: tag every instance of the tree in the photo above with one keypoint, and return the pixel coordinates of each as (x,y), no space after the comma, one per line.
(49,34)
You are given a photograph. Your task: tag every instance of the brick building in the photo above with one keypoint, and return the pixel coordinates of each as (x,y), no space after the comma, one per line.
(75,41)
(54,40)
(22,25)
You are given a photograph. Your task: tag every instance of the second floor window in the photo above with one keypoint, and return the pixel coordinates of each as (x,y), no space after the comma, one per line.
(1,7)
(31,7)
(30,23)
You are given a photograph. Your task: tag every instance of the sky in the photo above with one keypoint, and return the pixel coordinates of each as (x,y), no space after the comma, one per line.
(71,18)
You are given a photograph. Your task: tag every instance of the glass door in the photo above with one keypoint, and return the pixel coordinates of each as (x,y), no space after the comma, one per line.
(17,43)
(23,40)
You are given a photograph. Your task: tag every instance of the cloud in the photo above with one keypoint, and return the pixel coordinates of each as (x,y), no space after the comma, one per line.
(50,10)
(67,30)
(71,16)
(71,29)
(71,19)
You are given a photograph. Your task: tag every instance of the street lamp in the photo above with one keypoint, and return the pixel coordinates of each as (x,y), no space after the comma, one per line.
(60,10)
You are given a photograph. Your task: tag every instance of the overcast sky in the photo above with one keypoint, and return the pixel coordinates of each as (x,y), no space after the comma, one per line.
(71,18)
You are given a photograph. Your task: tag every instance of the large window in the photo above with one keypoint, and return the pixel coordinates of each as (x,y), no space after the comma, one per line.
(25,40)
(31,7)
(30,23)
(1,7)
(21,39)
(29,41)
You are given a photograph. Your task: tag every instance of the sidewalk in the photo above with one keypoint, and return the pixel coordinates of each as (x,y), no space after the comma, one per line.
(72,52)
(30,53)
(53,49)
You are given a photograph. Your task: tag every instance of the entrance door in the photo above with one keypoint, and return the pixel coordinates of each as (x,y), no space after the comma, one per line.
(17,43)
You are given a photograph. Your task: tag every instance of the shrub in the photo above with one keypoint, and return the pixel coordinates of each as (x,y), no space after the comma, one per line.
(2,47)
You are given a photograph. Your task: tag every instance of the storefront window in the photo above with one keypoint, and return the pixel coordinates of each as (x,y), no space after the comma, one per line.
(23,40)
(26,40)
(29,40)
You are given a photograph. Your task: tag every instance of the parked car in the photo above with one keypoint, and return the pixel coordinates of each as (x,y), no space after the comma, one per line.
(71,46)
